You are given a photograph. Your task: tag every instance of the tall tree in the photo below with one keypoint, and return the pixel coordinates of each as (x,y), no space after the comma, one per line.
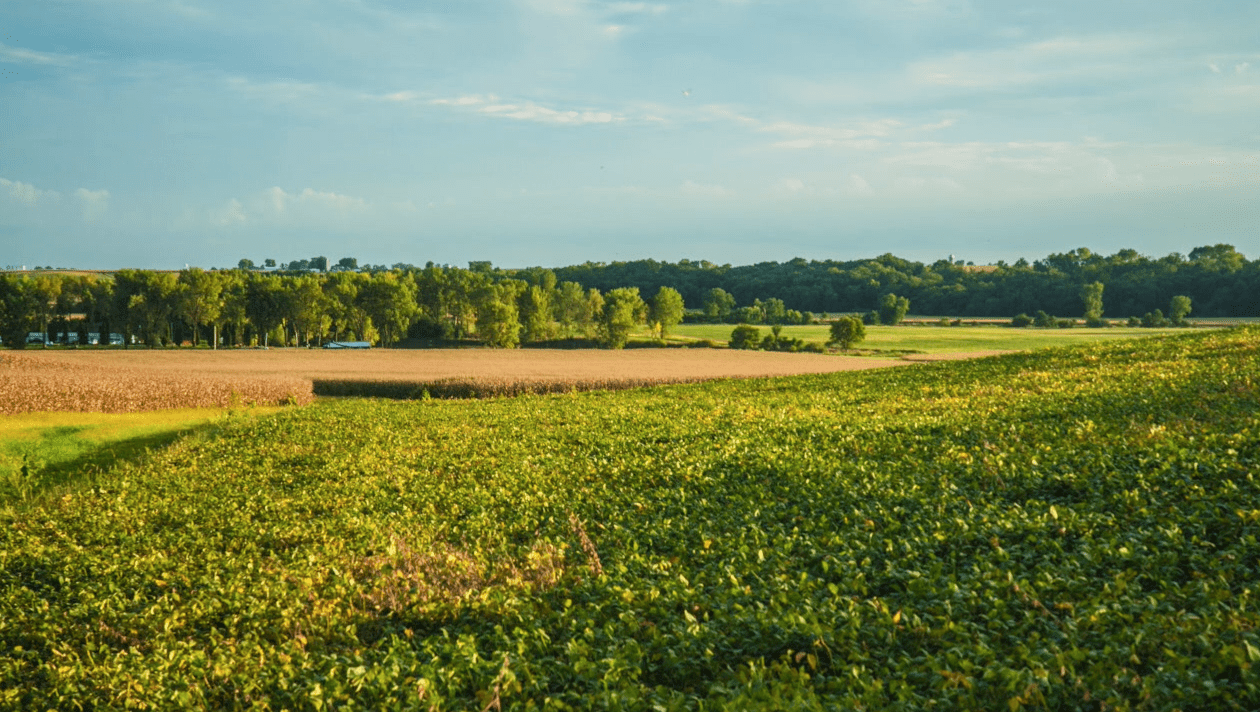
(534,305)
(265,305)
(718,305)
(1179,309)
(18,309)
(498,320)
(624,309)
(199,298)
(892,309)
(1092,296)
(667,311)
(391,302)
(571,308)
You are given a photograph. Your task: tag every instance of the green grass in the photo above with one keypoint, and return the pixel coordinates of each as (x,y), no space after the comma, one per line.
(935,339)
(1064,529)
(48,450)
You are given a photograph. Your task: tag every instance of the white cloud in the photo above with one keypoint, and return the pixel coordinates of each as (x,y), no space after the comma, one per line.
(490,105)
(17,55)
(1241,67)
(1058,59)
(626,8)
(93,202)
(614,31)
(26,193)
(1214,67)
(793,184)
(691,187)
(282,202)
(332,200)
(232,213)
(859,186)
(557,7)
(274,92)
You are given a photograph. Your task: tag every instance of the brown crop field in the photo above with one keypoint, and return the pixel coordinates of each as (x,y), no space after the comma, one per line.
(141,379)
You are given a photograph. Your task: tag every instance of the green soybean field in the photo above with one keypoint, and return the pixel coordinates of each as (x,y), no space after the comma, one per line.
(1068,529)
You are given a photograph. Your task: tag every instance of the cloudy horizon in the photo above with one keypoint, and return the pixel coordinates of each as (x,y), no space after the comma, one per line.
(158,133)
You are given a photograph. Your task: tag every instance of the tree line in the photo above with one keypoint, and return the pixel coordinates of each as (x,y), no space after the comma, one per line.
(1220,281)
(300,308)
(603,303)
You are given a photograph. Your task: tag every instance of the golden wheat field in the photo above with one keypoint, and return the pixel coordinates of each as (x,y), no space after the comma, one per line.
(141,379)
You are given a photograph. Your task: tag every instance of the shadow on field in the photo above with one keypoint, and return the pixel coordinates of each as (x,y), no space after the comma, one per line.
(474,388)
(37,469)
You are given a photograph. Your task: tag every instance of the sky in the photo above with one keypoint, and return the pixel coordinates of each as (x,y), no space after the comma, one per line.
(160,133)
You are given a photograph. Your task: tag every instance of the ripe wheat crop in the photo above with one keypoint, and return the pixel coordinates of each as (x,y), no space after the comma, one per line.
(33,384)
(141,379)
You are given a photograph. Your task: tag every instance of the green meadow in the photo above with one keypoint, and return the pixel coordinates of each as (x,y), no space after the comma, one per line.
(933,339)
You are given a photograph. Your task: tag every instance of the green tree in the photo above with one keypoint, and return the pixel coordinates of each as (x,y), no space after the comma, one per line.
(232,316)
(745,337)
(265,304)
(390,302)
(666,311)
(892,309)
(534,305)
(623,310)
(1179,309)
(773,310)
(245,263)
(198,298)
(571,308)
(1091,294)
(1154,319)
(592,313)
(347,264)
(498,320)
(718,305)
(18,309)
(144,301)
(847,331)
(307,309)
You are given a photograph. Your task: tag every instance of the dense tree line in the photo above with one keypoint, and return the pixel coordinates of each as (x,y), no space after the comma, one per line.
(1220,281)
(302,308)
(603,302)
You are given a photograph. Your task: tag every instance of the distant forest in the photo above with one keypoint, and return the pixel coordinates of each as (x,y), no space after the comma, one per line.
(310,301)
(1220,282)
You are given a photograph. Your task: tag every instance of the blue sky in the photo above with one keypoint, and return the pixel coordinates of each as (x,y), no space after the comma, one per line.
(155,133)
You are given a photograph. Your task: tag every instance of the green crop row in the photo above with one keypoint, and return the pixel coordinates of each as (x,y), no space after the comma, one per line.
(1073,529)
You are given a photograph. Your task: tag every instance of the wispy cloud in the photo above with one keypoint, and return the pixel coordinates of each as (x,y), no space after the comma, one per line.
(1058,59)
(860,135)
(18,55)
(636,7)
(231,213)
(491,105)
(691,187)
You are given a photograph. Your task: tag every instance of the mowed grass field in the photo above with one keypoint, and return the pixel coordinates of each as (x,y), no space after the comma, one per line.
(936,339)
(1064,529)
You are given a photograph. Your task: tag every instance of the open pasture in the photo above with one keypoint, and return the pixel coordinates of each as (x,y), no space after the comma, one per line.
(933,339)
(1066,529)
(143,379)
